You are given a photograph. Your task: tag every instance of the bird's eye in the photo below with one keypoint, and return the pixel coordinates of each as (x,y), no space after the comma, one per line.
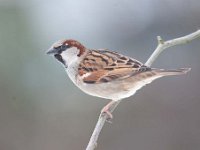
(64,47)
(61,48)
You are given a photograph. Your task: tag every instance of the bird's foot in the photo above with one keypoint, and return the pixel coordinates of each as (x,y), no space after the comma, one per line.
(106,110)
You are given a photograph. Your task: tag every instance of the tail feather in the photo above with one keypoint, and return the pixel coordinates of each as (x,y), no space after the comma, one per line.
(180,71)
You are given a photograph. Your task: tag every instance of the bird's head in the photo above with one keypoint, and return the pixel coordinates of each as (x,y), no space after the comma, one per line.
(67,51)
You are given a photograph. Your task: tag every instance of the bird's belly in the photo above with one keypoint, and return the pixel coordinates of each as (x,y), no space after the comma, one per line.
(116,90)
(106,90)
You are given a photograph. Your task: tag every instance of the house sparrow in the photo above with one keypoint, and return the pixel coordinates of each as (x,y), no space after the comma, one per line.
(105,73)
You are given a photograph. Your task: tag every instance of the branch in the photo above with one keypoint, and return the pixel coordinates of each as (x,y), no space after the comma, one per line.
(162,45)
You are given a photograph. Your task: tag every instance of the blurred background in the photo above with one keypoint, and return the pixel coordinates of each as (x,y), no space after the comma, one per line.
(40,108)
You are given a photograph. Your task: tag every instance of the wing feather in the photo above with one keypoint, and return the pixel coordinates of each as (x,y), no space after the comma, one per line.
(100,66)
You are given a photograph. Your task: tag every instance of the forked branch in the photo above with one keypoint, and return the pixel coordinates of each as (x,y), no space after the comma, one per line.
(162,45)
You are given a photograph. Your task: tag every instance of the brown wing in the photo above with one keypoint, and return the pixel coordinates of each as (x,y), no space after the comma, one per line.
(100,66)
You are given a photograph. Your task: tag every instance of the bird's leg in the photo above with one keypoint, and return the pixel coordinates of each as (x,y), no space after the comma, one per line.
(106,110)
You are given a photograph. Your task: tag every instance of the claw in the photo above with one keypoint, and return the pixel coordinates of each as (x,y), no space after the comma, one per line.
(106,110)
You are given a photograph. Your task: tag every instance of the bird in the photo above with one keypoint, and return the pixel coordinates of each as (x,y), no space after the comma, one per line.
(104,73)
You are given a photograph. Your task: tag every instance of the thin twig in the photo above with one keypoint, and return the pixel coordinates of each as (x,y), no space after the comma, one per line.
(162,45)
(100,123)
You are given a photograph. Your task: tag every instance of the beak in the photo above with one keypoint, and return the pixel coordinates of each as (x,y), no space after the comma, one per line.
(51,51)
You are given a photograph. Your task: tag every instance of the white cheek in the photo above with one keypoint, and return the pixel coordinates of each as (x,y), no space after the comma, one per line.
(70,55)
(64,56)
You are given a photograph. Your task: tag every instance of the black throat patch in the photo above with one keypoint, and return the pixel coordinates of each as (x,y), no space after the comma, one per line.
(59,58)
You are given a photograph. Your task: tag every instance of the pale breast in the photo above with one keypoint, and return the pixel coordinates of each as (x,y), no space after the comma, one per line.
(119,89)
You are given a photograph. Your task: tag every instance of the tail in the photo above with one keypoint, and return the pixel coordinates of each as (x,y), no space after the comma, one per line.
(164,72)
